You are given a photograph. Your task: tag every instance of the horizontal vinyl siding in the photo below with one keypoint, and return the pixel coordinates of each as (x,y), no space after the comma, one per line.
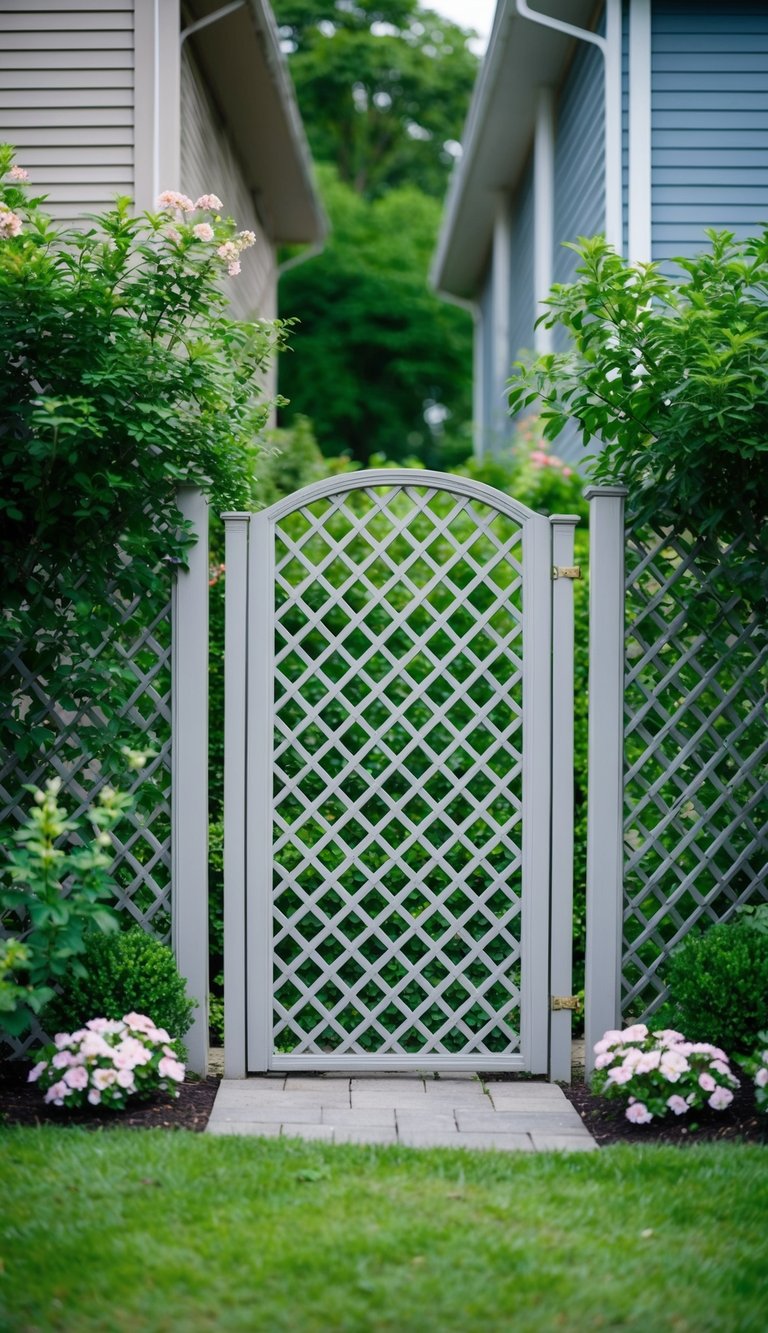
(579,163)
(209,166)
(67,99)
(709,122)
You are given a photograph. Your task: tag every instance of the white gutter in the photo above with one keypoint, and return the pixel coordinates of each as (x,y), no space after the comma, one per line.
(610,47)
(209,19)
(543,211)
(639,248)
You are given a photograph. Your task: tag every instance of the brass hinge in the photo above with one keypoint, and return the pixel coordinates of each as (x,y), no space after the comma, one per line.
(565,1002)
(566,571)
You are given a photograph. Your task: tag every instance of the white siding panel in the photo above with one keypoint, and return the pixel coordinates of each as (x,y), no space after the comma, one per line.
(210,165)
(67,99)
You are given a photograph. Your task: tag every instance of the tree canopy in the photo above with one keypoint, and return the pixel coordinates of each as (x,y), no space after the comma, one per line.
(383,87)
(379,364)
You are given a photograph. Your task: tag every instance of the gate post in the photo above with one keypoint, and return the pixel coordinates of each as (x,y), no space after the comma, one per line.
(561,911)
(236,527)
(189,779)
(605,847)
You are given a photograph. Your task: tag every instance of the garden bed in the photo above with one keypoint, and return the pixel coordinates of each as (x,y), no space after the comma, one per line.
(21,1103)
(608,1124)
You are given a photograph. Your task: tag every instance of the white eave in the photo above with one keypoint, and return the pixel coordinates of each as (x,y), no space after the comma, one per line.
(521,57)
(246,71)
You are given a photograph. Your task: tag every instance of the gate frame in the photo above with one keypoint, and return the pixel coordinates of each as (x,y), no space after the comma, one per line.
(547,776)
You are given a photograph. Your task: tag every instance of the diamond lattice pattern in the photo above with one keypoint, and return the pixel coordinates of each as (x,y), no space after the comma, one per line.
(397,789)
(695,752)
(142,868)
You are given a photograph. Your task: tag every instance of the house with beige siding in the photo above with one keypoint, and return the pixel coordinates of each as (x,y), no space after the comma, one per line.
(131,97)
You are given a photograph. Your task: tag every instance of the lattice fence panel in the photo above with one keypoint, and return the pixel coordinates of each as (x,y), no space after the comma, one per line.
(696,751)
(398,787)
(142,649)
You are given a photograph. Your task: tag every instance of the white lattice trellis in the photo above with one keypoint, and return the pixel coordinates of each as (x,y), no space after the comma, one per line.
(396,634)
(696,834)
(142,842)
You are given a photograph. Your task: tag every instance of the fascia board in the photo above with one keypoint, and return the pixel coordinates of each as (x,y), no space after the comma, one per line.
(521,57)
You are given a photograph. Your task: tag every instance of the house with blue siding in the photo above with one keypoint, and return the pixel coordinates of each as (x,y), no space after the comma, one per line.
(646,120)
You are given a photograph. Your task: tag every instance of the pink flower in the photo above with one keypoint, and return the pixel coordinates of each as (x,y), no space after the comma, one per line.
(173,235)
(677,1104)
(203,231)
(126,1080)
(10,223)
(246,239)
(62,1040)
(234,268)
(668,1037)
(169,1068)
(603,1059)
(610,1038)
(173,200)
(94,1045)
(56,1093)
(62,1060)
(707,1082)
(639,1114)
(720,1098)
(621,1075)
(210,202)
(76,1077)
(102,1078)
(672,1064)
(567,471)
(18,174)
(228,251)
(35,1073)
(637,1032)
(720,1067)
(761,1078)
(648,1061)
(138,1022)
(94,1096)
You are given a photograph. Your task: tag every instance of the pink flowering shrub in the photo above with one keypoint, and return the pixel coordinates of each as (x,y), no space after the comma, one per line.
(660,1073)
(757,1068)
(107,1062)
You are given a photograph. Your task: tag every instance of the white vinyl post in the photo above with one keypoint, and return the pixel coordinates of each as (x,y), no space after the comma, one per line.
(189,778)
(561,947)
(235,737)
(605,868)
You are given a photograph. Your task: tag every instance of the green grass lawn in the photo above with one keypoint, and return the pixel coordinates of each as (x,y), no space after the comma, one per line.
(159,1231)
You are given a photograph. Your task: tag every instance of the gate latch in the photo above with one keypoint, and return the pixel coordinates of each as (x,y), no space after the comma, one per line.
(565,1002)
(566,571)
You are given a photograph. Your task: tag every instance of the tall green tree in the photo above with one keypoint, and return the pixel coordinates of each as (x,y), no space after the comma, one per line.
(383,87)
(378,363)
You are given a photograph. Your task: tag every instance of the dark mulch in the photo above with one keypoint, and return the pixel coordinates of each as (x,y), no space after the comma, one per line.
(608,1124)
(21,1103)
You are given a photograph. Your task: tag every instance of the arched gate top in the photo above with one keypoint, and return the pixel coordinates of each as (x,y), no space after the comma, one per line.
(404,478)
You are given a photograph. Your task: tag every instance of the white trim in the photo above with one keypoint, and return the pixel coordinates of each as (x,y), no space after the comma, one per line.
(478,396)
(639,203)
(189,773)
(236,527)
(543,210)
(501,280)
(561,899)
(610,47)
(605,846)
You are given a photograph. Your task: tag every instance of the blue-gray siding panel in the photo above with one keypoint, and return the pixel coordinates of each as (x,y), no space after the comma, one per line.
(710,121)
(579,162)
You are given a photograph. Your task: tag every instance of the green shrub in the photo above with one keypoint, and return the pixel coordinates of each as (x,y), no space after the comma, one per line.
(130,972)
(718,986)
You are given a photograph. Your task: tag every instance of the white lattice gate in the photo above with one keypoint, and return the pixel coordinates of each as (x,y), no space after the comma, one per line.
(390,644)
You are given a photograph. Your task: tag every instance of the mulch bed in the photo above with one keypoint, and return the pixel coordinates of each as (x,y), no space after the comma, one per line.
(607,1123)
(21,1103)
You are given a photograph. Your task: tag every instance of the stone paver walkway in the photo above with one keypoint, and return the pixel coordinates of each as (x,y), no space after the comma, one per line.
(416,1111)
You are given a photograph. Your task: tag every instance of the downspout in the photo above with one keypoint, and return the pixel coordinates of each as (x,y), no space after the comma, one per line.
(209,19)
(610,47)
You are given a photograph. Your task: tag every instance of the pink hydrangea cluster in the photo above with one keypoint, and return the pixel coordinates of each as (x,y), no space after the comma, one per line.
(757,1067)
(108,1061)
(660,1073)
(540,458)
(10,223)
(230,251)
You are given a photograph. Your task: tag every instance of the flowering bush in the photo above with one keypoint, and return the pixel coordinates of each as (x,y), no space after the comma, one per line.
(108,1061)
(658,1073)
(757,1067)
